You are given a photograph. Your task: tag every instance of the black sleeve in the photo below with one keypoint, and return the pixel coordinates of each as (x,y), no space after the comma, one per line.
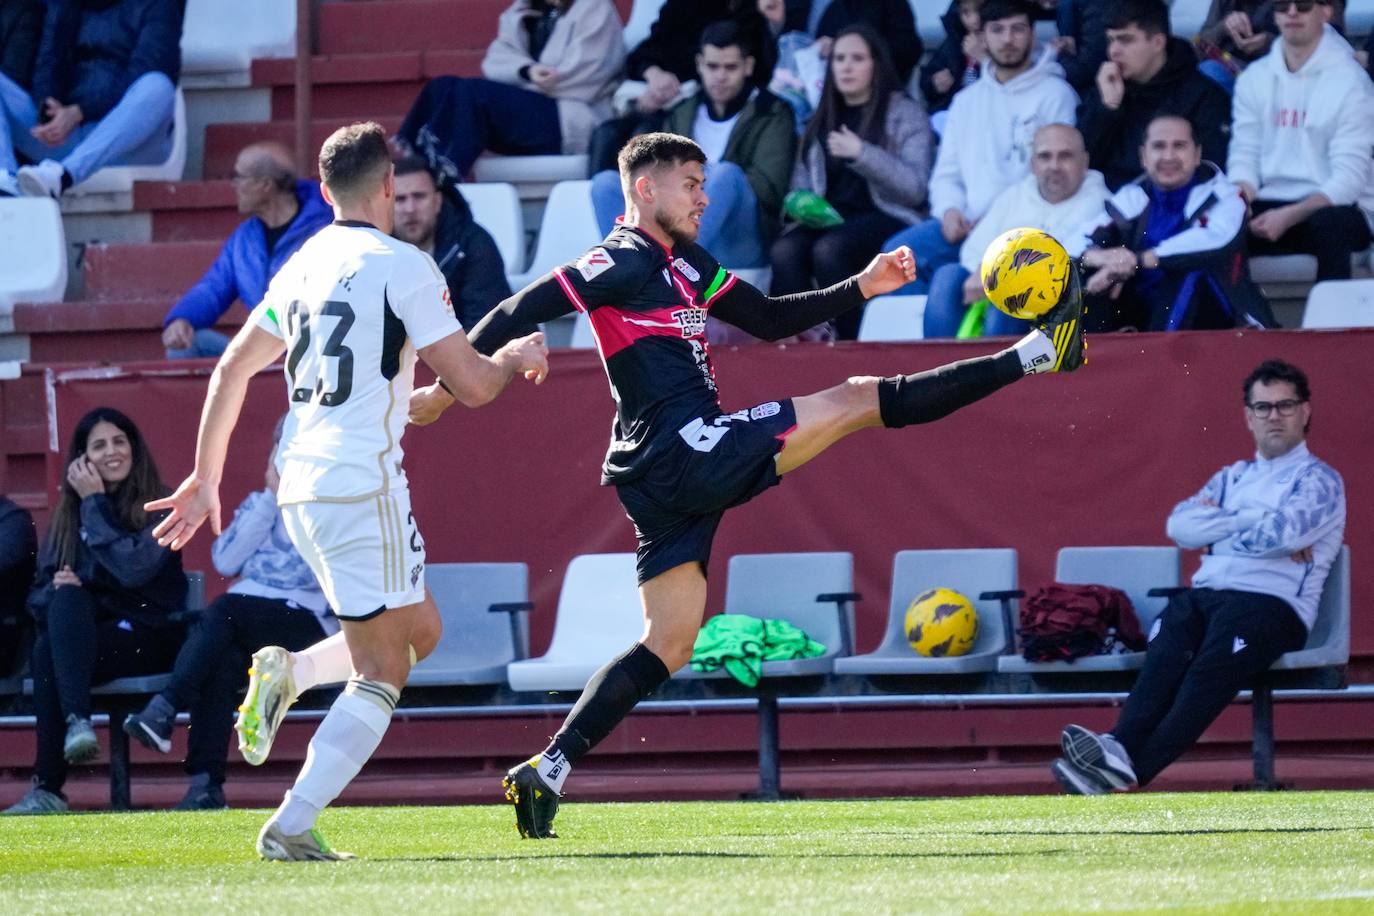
(478,280)
(776,317)
(1080,68)
(543,300)
(22,24)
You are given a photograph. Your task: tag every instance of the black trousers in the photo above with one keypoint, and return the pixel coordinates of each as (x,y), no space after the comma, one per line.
(1332,234)
(211,670)
(805,259)
(79,644)
(1209,645)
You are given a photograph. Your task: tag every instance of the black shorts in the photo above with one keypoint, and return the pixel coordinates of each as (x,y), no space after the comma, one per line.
(711,464)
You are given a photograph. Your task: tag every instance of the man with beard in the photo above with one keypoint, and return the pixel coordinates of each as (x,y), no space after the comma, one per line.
(986,144)
(677,459)
(1147,73)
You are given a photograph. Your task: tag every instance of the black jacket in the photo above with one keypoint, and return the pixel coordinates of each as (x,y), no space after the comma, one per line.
(128,574)
(1086,22)
(470,261)
(18,556)
(672,41)
(949,56)
(21,27)
(1113,137)
(893,19)
(93,50)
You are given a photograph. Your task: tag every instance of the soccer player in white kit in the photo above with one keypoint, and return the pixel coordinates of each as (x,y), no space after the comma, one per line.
(351,310)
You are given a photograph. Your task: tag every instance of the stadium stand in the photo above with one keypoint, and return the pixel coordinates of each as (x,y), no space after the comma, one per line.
(477,643)
(1340,304)
(893,318)
(496,207)
(33,265)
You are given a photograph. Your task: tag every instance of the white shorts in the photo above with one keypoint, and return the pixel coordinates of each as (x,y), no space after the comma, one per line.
(367,555)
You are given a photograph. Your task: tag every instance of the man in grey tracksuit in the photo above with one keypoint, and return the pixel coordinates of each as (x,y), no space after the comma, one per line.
(1269,528)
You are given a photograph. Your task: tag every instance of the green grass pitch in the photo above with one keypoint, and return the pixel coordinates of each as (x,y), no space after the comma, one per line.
(1214,853)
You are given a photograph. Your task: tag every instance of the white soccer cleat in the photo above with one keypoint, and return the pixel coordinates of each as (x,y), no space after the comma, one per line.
(271,691)
(310,846)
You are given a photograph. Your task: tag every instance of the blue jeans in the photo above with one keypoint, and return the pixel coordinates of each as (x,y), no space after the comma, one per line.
(1218,73)
(206,343)
(729,227)
(945,308)
(928,244)
(137,131)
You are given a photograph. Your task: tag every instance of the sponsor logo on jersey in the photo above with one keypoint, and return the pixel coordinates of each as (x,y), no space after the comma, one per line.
(1237,645)
(594,263)
(687,270)
(692,321)
(764,411)
(415,573)
(448,303)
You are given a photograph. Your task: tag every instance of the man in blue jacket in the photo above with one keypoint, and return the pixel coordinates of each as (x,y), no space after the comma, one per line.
(103,93)
(283,212)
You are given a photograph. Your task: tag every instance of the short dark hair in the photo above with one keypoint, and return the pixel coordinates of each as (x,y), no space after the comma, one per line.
(1192,128)
(1276,370)
(1150,16)
(411,164)
(353,158)
(993,10)
(726,33)
(654,151)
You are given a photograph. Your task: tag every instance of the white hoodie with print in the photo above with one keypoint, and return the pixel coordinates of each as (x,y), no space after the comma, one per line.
(1295,134)
(986,144)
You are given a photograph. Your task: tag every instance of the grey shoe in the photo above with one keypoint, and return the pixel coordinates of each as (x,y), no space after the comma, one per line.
(203,797)
(80,745)
(303,847)
(1075,781)
(38,801)
(152,727)
(1101,755)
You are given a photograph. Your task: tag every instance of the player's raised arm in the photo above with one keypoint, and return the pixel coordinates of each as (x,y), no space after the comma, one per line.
(776,317)
(474,379)
(197,498)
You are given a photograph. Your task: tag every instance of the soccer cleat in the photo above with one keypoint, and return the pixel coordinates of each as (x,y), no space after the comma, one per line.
(310,846)
(271,691)
(1063,325)
(80,745)
(1101,755)
(535,803)
(38,800)
(1075,781)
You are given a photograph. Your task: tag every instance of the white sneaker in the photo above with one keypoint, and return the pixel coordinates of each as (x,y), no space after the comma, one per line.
(41,180)
(271,691)
(1102,755)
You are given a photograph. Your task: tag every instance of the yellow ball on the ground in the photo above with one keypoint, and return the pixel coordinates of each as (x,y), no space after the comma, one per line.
(941,623)
(1025,272)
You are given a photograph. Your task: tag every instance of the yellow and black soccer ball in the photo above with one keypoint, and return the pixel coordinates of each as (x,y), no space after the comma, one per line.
(941,623)
(1025,272)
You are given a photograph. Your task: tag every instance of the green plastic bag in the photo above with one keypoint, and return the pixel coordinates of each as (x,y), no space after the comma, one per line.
(972,325)
(811,210)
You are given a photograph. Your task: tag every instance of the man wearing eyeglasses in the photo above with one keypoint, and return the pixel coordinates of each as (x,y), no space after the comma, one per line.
(1269,529)
(1301,137)
(283,211)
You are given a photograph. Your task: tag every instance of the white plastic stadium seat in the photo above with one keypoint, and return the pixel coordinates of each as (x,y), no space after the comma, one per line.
(1340,304)
(533,176)
(33,252)
(582,338)
(758,277)
(599,616)
(1329,641)
(970,572)
(222,37)
(642,16)
(496,208)
(567,230)
(1134,570)
(116,178)
(477,643)
(893,318)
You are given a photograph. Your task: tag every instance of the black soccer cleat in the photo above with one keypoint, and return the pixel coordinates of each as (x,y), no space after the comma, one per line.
(1063,325)
(535,803)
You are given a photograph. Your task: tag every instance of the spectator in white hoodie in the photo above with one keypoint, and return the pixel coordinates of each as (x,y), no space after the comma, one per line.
(986,145)
(1059,196)
(1301,141)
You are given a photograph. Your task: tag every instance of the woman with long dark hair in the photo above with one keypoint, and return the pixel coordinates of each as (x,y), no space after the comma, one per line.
(103,595)
(867,151)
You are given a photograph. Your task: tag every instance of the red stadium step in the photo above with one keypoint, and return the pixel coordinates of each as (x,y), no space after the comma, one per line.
(406,25)
(223,141)
(356,85)
(104,331)
(185,211)
(145,271)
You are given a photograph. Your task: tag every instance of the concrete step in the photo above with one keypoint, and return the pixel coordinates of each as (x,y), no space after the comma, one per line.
(101,331)
(152,271)
(223,141)
(407,25)
(353,85)
(182,211)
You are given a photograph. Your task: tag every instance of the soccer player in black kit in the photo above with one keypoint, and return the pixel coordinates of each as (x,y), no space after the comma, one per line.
(677,459)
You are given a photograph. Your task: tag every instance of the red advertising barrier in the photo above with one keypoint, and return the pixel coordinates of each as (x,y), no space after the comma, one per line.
(1098,457)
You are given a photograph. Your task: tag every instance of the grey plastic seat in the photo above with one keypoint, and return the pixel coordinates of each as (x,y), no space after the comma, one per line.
(1329,641)
(599,616)
(972,572)
(480,604)
(1134,570)
(152,683)
(813,591)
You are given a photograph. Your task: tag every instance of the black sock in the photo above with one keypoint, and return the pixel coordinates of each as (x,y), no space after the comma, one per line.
(66,179)
(926,396)
(608,697)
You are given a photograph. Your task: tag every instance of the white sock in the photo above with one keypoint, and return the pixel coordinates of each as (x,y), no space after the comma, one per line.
(344,741)
(553,768)
(1036,352)
(326,662)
